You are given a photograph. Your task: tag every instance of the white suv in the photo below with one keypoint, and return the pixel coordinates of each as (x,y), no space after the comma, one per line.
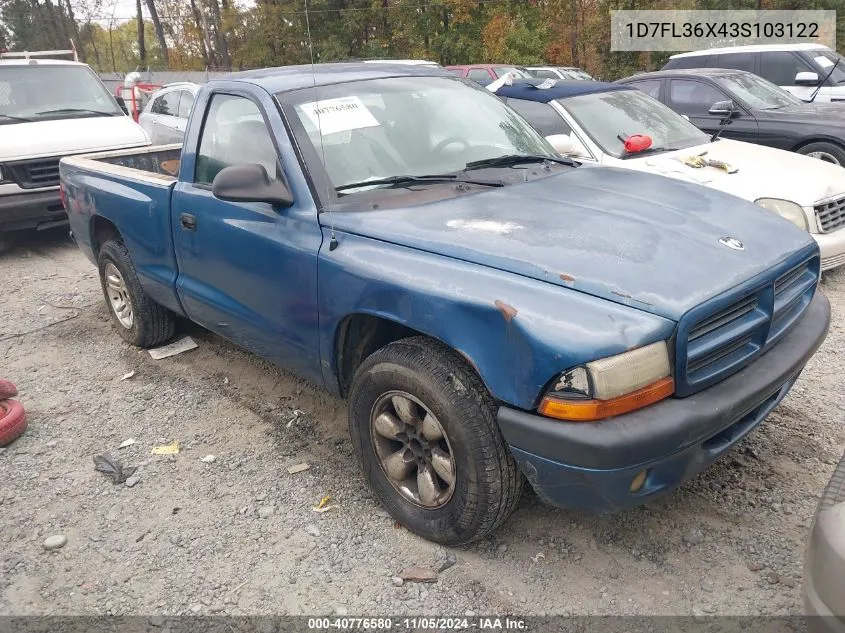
(799,68)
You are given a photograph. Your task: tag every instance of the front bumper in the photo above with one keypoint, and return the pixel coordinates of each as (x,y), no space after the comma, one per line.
(592,464)
(824,565)
(832,247)
(32,210)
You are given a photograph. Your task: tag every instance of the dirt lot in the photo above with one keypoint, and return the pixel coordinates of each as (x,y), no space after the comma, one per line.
(239,536)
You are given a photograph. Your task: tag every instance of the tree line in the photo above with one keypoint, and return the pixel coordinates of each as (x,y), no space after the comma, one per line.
(224,35)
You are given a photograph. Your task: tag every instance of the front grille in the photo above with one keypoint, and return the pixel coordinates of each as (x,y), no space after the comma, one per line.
(830,215)
(32,174)
(714,342)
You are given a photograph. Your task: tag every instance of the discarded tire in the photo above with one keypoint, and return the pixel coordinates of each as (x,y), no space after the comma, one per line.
(7,389)
(12,421)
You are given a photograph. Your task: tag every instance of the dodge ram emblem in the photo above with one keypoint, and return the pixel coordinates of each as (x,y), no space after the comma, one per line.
(732,242)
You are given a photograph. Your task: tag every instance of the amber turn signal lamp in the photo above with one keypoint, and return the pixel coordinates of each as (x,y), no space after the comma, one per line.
(592,410)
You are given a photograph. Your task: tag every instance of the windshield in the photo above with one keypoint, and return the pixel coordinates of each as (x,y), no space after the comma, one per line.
(757,92)
(606,116)
(575,73)
(40,92)
(825,61)
(404,126)
(516,72)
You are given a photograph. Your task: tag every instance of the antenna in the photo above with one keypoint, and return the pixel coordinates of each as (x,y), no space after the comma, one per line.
(333,241)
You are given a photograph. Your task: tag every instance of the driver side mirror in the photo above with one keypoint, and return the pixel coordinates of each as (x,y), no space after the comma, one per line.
(723,108)
(566,145)
(250,183)
(807,79)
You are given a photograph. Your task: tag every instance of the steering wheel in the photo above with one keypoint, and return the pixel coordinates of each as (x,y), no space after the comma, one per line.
(448,141)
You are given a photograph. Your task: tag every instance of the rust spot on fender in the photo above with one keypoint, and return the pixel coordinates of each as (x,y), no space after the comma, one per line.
(567,278)
(507,310)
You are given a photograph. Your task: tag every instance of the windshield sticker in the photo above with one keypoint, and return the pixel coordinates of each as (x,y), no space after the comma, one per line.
(339,115)
(824,62)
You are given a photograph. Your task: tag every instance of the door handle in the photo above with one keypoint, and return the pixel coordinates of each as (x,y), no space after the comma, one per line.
(188,222)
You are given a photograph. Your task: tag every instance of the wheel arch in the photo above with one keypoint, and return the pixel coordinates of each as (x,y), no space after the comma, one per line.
(102,230)
(819,139)
(360,334)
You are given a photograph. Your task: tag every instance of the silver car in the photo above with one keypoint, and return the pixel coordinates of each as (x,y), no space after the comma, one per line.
(824,566)
(166,114)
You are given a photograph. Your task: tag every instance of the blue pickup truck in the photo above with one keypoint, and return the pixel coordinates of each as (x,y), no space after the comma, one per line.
(491,311)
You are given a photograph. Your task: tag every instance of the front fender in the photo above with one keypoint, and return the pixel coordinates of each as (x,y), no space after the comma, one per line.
(517,332)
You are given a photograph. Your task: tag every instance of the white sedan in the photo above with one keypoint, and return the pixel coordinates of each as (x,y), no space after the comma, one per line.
(608,124)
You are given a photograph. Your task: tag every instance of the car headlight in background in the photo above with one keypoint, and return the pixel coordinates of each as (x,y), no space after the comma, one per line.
(611,386)
(785,209)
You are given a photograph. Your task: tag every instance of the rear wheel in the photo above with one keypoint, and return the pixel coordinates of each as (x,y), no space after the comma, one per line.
(139,320)
(424,429)
(828,152)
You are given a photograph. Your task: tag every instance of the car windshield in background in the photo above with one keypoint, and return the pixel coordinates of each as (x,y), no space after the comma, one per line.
(826,60)
(40,92)
(757,92)
(516,72)
(405,126)
(607,116)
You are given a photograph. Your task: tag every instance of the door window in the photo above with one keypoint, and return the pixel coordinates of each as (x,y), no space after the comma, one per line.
(649,86)
(167,104)
(185,104)
(780,67)
(478,74)
(693,98)
(737,61)
(542,116)
(545,74)
(234,133)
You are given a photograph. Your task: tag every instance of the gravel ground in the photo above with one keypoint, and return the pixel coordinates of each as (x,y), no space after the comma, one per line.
(239,536)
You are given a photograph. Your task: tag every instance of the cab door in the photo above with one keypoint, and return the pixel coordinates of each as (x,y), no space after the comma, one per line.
(694,98)
(247,270)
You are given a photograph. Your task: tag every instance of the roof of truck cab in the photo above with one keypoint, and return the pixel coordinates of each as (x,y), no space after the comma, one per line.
(287,78)
(528,89)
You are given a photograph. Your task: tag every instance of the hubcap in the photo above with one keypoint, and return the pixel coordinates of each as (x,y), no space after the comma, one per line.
(826,157)
(413,449)
(118,296)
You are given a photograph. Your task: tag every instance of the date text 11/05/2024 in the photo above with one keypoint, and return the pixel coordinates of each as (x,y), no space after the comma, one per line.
(491,623)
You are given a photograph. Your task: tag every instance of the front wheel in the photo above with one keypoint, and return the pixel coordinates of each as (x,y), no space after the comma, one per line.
(424,429)
(139,320)
(828,152)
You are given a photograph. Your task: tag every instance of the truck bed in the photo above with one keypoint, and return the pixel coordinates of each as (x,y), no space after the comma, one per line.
(158,161)
(130,189)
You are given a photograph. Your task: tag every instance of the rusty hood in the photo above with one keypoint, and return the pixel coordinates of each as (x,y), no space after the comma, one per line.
(633,238)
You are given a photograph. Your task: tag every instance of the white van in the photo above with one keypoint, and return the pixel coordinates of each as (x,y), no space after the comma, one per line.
(48,109)
(798,68)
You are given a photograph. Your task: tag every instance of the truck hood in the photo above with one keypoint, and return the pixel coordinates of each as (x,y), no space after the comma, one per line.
(59,137)
(632,238)
(763,172)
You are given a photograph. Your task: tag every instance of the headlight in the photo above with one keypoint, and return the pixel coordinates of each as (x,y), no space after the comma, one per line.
(786,209)
(611,386)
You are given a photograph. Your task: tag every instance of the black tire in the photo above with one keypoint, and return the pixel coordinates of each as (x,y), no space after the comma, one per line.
(151,323)
(833,153)
(487,483)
